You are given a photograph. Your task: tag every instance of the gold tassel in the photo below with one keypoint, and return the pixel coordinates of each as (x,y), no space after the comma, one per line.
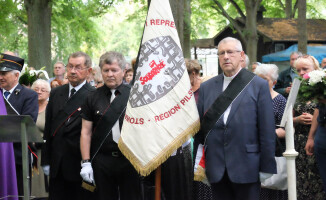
(200,174)
(165,153)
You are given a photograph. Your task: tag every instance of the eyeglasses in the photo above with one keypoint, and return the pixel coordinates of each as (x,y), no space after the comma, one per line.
(77,68)
(228,52)
(40,90)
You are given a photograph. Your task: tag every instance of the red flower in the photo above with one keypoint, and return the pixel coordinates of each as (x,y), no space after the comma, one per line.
(306,76)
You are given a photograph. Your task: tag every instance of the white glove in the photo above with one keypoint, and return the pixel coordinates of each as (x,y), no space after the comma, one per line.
(87,172)
(263,176)
(46,169)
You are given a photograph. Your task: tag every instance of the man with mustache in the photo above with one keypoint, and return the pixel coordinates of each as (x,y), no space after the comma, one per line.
(61,155)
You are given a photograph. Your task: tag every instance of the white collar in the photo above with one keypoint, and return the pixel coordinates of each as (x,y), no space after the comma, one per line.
(77,87)
(226,78)
(11,90)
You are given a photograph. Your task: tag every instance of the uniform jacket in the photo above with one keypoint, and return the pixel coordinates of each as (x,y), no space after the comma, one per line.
(25,102)
(62,131)
(245,145)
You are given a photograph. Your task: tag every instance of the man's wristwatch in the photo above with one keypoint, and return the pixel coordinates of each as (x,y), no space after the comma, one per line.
(85,161)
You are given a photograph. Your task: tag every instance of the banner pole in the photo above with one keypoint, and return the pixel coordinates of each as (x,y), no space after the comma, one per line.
(290,154)
(158,183)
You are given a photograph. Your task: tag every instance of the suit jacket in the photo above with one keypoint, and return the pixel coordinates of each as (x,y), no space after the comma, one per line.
(62,132)
(245,145)
(25,102)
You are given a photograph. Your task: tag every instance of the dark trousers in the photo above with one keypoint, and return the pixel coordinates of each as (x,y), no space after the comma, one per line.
(20,180)
(115,178)
(227,190)
(62,189)
(320,154)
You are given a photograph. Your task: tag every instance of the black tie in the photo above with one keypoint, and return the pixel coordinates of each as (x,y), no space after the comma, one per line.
(6,93)
(72,92)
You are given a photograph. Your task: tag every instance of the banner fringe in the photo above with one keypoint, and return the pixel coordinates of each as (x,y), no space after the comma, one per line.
(165,153)
(200,174)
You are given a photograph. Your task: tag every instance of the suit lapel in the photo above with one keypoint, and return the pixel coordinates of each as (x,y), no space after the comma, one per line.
(218,87)
(14,97)
(63,96)
(76,100)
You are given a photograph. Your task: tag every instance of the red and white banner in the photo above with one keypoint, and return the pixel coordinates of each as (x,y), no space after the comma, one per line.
(161,112)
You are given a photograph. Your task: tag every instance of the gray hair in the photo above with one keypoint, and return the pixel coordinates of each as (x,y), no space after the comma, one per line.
(256,63)
(42,82)
(247,61)
(60,62)
(270,70)
(296,52)
(88,60)
(97,75)
(15,72)
(229,39)
(111,57)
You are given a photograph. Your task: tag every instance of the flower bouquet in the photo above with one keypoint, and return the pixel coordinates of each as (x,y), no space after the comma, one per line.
(28,76)
(313,86)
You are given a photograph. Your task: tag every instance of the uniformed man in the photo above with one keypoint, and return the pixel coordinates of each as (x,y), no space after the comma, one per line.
(61,156)
(22,100)
(103,115)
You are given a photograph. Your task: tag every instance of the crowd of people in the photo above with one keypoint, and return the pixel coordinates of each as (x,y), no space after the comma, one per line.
(240,111)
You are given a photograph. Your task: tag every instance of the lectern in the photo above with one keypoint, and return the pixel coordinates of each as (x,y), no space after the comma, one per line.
(20,128)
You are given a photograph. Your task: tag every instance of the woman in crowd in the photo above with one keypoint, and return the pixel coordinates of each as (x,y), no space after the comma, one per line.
(129,75)
(309,184)
(193,68)
(43,89)
(269,72)
(55,83)
(316,143)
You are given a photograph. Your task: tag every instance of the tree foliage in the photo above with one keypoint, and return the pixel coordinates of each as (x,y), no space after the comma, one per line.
(73,26)
(95,26)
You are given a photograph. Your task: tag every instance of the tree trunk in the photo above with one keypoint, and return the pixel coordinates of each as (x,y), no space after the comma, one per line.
(187,29)
(178,15)
(302,26)
(251,30)
(39,33)
(288,9)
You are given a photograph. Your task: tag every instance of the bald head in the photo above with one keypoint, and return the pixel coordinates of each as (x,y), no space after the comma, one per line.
(323,63)
(10,53)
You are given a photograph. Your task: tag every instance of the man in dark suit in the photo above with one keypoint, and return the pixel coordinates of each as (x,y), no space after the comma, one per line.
(241,144)
(61,155)
(21,99)
(103,115)
(286,77)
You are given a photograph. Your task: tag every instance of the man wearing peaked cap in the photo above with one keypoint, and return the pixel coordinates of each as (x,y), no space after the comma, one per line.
(23,100)
(9,63)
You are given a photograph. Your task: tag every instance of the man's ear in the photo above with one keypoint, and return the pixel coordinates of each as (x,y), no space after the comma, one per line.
(242,55)
(274,82)
(16,75)
(90,69)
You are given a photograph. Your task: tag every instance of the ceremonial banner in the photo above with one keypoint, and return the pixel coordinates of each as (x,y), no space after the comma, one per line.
(161,112)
